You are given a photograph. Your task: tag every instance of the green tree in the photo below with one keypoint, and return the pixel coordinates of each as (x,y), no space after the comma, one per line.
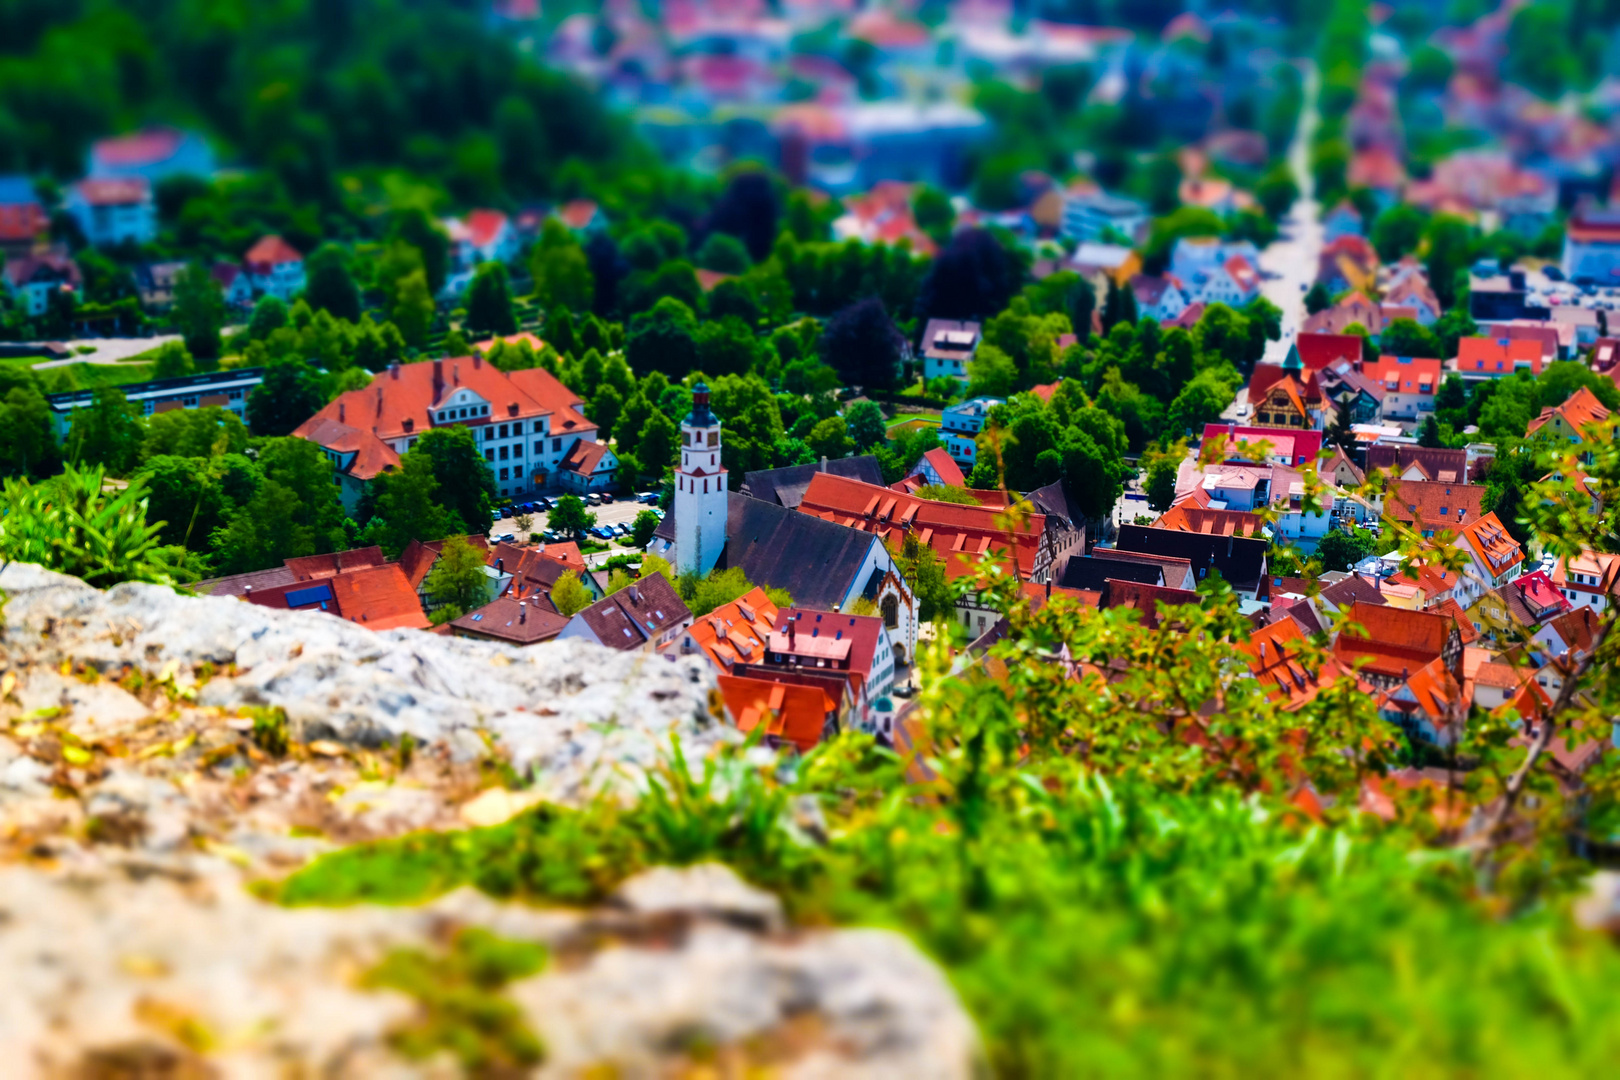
(1449,240)
(924,572)
(413,309)
(403,505)
(466,485)
(330,286)
(269,315)
(830,438)
(417,228)
(991,373)
(173,361)
(726,347)
(862,344)
(1318,299)
(724,254)
(1398,230)
(290,394)
(489,302)
(199,311)
(569,595)
(1160,485)
(1430,434)
(663,339)
(457,582)
(1277,191)
(1340,550)
(1407,337)
(562,273)
(866,424)
(108,432)
(570,516)
(604,410)
(27,445)
(642,529)
(1451,328)
(194,433)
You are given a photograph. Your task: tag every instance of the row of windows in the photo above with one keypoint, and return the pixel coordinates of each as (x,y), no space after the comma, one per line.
(504,431)
(508,452)
(464,413)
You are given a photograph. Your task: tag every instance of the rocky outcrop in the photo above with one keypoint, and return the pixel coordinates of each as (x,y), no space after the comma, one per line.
(572,714)
(147,775)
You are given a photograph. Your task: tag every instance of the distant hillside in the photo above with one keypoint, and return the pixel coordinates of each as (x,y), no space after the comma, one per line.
(307,88)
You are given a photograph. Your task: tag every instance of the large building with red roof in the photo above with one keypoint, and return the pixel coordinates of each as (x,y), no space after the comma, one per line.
(274,268)
(526,423)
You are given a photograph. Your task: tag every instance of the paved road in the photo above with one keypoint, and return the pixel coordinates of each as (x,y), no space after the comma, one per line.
(1290,263)
(109,351)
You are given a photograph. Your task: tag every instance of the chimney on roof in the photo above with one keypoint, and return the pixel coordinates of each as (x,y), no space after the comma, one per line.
(455,373)
(478,361)
(1262,654)
(792,637)
(247,591)
(393,373)
(341,412)
(523,612)
(379,391)
(500,565)
(823,463)
(438,379)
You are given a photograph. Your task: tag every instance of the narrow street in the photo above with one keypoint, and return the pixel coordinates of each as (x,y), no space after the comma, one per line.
(1290,263)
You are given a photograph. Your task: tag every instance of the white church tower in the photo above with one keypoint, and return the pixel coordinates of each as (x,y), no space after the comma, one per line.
(700,490)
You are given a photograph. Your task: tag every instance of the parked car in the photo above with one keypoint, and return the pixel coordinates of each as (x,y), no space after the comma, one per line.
(506,538)
(622,529)
(544,504)
(607,496)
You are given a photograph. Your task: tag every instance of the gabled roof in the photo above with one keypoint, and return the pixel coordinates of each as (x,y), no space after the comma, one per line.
(1089,573)
(815,560)
(1603,567)
(957,533)
(1240,560)
(1433,504)
(1175,573)
(1436,463)
(1317,351)
(949,472)
(588,459)
(149,146)
(1185,517)
(518,622)
(1500,355)
(418,558)
(636,614)
(376,597)
(1430,690)
(859,636)
(1276,658)
(484,227)
(1144,598)
(310,567)
(269,252)
(735,632)
(1408,374)
(786,486)
(1394,641)
(1353,589)
(371,454)
(1301,395)
(1581,410)
(1491,544)
(788,712)
(1053,501)
(948,339)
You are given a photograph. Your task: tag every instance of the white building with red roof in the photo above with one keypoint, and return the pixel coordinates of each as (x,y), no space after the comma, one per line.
(1493,557)
(480,237)
(114,211)
(274,268)
(526,423)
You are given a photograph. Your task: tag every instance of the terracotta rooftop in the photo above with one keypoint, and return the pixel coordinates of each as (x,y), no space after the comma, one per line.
(957,533)
(1581,411)
(1430,505)
(1498,356)
(735,632)
(268,253)
(515,621)
(1185,517)
(788,712)
(1491,543)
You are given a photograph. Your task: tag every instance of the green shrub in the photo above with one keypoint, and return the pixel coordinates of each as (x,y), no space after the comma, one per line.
(78,523)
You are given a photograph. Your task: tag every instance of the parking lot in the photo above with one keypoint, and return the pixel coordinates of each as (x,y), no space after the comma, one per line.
(622,510)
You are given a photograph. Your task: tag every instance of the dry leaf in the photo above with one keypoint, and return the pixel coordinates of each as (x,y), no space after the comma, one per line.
(326,748)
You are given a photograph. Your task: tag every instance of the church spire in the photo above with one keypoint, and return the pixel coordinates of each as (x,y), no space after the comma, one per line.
(1293,364)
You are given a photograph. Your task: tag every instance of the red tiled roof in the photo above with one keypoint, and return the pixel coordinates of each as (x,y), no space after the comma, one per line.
(1498,355)
(957,533)
(1432,504)
(1317,351)
(1144,598)
(585,458)
(484,227)
(516,621)
(577,214)
(1491,543)
(376,597)
(789,713)
(1276,658)
(1185,517)
(1581,410)
(372,455)
(1395,641)
(269,252)
(1408,375)
(22,221)
(948,470)
(120,192)
(138,148)
(736,631)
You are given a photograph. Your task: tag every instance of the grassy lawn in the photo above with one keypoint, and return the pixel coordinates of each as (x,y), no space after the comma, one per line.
(912,423)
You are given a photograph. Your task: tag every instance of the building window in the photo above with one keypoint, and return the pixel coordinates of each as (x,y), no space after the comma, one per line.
(506,474)
(489,455)
(503,431)
(188,403)
(504,453)
(556,444)
(539,448)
